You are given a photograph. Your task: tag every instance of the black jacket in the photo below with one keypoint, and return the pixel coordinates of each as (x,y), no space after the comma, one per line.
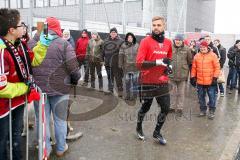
(222,52)
(111,49)
(234,57)
(214,49)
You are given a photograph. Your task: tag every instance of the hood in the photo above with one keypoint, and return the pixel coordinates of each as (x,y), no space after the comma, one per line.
(54,25)
(130,34)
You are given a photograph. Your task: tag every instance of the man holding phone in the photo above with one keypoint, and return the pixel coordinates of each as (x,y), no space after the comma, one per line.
(60,62)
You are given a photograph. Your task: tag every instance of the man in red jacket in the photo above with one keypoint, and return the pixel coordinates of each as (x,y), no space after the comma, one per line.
(81,50)
(153,61)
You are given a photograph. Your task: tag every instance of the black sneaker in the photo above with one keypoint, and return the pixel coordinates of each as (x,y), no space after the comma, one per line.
(140,133)
(159,138)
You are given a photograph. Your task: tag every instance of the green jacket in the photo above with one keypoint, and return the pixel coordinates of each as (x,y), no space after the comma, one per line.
(181,59)
(127,57)
(94,50)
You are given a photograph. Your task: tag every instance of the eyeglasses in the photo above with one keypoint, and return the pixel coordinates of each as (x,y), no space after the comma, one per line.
(21,25)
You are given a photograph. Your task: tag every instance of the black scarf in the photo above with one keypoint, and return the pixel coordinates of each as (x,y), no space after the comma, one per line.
(19,61)
(158,37)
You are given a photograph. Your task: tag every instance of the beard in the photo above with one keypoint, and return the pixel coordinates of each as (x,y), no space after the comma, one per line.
(158,36)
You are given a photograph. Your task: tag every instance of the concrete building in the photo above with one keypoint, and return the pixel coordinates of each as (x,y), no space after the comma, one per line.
(181,15)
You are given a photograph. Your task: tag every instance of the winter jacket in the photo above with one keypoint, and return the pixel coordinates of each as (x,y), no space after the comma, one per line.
(222,52)
(234,57)
(16,89)
(205,67)
(214,49)
(181,59)
(111,49)
(151,50)
(71,41)
(127,55)
(60,63)
(81,48)
(94,50)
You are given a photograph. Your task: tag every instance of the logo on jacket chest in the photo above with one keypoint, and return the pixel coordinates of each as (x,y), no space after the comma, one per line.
(159,52)
(159,49)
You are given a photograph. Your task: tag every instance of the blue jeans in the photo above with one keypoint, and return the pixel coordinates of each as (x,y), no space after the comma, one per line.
(131,83)
(17,126)
(236,75)
(210,91)
(57,106)
(220,87)
(232,77)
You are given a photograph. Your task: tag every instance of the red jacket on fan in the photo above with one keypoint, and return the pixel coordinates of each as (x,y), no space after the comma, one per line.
(150,50)
(81,47)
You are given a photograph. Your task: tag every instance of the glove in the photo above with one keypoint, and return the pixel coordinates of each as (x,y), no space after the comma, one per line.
(46,40)
(164,62)
(167,61)
(214,81)
(74,77)
(193,81)
(33,95)
(168,70)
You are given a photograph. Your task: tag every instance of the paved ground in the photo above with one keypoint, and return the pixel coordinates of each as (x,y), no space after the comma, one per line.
(112,135)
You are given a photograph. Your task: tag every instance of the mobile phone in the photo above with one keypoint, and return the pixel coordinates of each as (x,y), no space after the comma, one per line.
(45,29)
(40,27)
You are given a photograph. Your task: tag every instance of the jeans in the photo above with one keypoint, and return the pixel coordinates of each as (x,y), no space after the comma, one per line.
(17,126)
(85,63)
(236,75)
(231,80)
(210,91)
(131,84)
(57,106)
(220,87)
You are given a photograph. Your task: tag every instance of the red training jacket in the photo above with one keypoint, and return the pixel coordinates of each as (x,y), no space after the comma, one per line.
(150,50)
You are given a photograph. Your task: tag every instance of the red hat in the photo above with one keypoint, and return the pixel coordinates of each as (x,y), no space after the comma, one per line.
(204,44)
(54,25)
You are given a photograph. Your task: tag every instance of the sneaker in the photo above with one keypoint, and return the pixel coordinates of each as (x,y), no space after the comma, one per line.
(230,92)
(211,115)
(202,113)
(159,138)
(61,154)
(74,137)
(222,94)
(140,133)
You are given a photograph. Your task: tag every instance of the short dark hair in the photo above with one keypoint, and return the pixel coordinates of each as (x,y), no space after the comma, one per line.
(9,18)
(217,40)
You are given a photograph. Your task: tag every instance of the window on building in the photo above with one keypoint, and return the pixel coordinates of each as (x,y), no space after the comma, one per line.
(26,4)
(39,3)
(71,2)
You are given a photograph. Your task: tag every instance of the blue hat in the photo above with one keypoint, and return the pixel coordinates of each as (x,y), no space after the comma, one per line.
(179,37)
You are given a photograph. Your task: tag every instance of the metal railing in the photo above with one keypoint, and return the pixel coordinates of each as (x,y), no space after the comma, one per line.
(42,152)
